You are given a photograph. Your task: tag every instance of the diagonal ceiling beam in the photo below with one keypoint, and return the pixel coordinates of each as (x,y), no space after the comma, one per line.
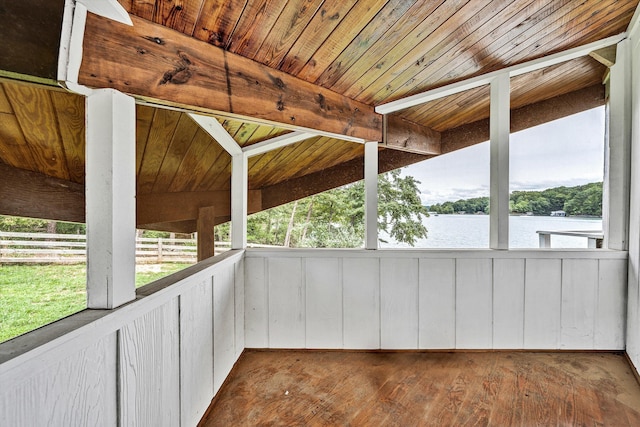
(485,79)
(156,63)
(217,132)
(277,142)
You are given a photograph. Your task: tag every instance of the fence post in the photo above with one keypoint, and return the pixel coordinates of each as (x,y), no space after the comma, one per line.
(159,250)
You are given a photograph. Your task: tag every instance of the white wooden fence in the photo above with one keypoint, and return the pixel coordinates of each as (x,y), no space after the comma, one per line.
(71,248)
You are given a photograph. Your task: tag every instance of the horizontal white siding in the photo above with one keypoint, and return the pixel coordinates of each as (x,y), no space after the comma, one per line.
(155,362)
(354,299)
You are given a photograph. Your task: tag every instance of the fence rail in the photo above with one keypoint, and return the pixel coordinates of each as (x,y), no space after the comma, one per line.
(40,248)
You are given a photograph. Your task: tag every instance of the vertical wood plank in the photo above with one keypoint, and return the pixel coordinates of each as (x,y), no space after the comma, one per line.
(474,281)
(508,303)
(196,352)
(361,303)
(223,326)
(579,293)
(437,329)
(256,313)
(611,305)
(79,390)
(286,303)
(238,280)
(399,303)
(543,282)
(323,280)
(149,368)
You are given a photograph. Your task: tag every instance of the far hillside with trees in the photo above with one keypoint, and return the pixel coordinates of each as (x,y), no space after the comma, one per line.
(581,200)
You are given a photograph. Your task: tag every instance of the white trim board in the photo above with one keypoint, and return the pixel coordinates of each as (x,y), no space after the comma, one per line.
(485,79)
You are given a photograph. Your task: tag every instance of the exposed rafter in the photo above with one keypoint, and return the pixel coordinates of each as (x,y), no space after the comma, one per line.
(217,132)
(153,62)
(277,142)
(485,79)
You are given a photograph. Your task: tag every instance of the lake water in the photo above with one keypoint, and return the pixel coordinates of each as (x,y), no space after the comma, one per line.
(472,231)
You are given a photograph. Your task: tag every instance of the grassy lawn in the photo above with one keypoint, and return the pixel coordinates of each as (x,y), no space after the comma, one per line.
(34,295)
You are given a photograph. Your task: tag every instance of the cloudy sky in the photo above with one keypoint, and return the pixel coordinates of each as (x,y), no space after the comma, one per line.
(568,152)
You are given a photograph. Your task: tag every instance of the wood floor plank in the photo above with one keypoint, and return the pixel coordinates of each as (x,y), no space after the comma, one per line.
(318,388)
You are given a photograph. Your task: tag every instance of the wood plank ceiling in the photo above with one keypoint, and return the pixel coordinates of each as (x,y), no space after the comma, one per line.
(372,51)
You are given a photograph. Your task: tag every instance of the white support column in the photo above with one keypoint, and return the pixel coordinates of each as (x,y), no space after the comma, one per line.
(371,195)
(615,203)
(499,187)
(239,192)
(110,198)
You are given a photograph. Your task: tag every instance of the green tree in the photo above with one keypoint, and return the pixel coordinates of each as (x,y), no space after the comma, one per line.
(335,218)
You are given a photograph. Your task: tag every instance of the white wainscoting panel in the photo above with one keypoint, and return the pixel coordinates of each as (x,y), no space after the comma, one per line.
(579,303)
(286,303)
(399,303)
(79,390)
(323,279)
(610,313)
(395,299)
(543,287)
(149,368)
(256,303)
(437,304)
(361,302)
(196,366)
(148,363)
(224,354)
(508,303)
(474,303)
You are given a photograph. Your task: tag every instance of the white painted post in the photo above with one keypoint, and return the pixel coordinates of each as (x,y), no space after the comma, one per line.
(239,191)
(499,146)
(544,239)
(110,198)
(615,203)
(371,195)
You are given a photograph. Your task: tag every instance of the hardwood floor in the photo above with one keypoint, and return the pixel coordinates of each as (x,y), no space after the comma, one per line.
(313,388)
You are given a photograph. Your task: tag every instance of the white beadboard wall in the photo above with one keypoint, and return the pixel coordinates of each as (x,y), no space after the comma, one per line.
(482,299)
(157,361)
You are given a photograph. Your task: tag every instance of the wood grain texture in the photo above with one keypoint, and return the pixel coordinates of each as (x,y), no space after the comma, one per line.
(146,398)
(196,367)
(78,390)
(224,351)
(150,61)
(318,388)
(35,114)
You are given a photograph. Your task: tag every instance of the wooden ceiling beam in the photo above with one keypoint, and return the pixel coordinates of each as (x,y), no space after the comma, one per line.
(184,206)
(35,195)
(402,134)
(156,63)
(333,177)
(526,117)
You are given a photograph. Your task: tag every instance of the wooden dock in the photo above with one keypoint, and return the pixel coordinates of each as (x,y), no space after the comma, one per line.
(313,388)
